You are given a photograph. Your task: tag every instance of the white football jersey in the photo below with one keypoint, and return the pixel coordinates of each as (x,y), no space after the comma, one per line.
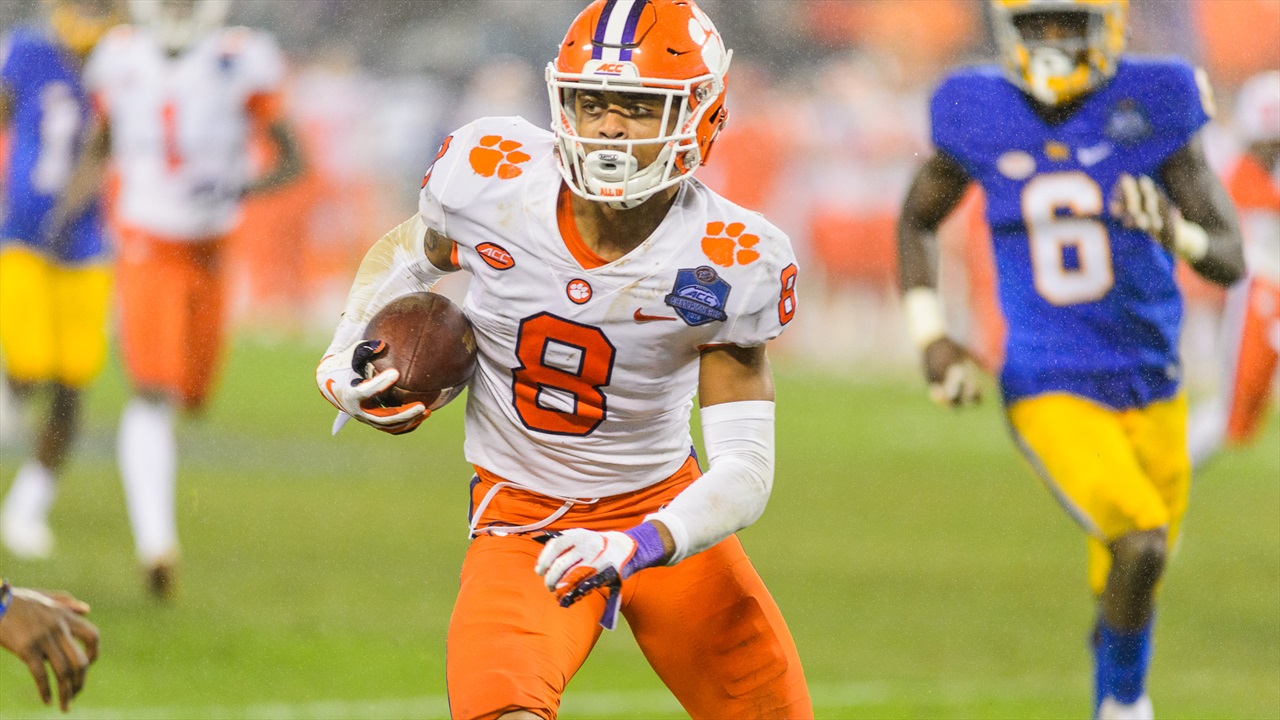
(587,371)
(180,125)
(1260,227)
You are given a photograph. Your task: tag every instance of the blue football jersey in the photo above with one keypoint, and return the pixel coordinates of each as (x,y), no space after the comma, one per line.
(49,114)
(1092,307)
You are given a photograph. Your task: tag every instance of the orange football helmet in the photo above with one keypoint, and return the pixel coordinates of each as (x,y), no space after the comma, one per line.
(665,48)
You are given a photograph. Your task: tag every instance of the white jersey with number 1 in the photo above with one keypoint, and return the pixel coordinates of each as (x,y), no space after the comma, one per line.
(587,370)
(180,125)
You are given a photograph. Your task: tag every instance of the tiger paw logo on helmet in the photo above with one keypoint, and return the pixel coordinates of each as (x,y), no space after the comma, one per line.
(725,245)
(496,156)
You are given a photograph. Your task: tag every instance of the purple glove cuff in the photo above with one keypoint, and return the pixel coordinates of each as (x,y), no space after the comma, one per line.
(649,550)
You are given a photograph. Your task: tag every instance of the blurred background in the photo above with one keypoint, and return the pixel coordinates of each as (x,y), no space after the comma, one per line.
(942,582)
(830,96)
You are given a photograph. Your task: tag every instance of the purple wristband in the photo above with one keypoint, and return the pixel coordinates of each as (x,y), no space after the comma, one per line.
(649,549)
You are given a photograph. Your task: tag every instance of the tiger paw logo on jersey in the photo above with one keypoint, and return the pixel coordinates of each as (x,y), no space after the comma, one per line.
(726,245)
(496,156)
(578,290)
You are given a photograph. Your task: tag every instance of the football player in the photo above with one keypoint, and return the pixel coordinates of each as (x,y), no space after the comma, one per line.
(54,276)
(608,289)
(180,94)
(1251,322)
(1095,182)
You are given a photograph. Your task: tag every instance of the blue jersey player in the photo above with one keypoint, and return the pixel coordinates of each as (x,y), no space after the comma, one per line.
(1095,182)
(54,281)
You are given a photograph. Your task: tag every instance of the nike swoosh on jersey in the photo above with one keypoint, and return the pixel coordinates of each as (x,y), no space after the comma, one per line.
(642,318)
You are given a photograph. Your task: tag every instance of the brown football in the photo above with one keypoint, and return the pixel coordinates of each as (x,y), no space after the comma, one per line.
(430,342)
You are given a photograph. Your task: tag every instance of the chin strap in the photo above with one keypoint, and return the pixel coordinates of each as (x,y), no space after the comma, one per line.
(614,173)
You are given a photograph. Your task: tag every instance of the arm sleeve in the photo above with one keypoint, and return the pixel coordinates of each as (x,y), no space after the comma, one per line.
(733,492)
(396,265)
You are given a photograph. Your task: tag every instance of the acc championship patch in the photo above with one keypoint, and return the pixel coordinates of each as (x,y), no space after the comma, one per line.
(699,296)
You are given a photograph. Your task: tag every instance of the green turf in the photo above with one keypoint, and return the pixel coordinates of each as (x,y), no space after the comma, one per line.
(923,570)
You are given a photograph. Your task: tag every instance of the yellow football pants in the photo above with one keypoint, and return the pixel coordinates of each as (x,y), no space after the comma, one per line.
(1115,472)
(53,318)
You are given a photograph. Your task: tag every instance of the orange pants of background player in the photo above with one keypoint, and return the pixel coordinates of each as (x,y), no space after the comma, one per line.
(1253,309)
(171,313)
(707,625)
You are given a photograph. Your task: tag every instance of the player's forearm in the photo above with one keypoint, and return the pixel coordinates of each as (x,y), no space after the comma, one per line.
(396,265)
(936,190)
(1207,232)
(917,253)
(85,184)
(735,489)
(917,278)
(6,109)
(288,166)
(1223,260)
(1207,235)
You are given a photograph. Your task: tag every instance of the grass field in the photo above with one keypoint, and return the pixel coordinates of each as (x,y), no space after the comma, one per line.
(923,570)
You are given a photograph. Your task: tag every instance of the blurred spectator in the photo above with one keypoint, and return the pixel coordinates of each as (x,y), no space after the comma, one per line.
(832,106)
(1239,38)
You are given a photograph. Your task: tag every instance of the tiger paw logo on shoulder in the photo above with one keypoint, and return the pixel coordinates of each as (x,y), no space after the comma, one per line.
(496,156)
(726,245)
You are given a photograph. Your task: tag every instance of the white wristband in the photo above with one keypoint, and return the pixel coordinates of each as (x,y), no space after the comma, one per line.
(924,316)
(1190,241)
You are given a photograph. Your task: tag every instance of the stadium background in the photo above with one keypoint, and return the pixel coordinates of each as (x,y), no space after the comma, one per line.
(924,571)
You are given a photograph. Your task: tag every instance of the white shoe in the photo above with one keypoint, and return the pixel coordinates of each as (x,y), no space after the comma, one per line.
(24,528)
(27,540)
(1139,709)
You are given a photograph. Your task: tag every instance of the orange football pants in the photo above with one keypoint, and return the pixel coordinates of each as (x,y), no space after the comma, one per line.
(707,625)
(171,313)
(1257,341)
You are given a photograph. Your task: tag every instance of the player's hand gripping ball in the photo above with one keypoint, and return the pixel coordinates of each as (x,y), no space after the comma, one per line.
(430,342)
(420,355)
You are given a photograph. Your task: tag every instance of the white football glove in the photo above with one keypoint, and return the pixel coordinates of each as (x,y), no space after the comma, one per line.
(577,561)
(342,380)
